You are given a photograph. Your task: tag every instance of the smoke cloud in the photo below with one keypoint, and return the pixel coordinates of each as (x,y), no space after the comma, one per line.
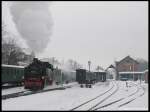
(34,23)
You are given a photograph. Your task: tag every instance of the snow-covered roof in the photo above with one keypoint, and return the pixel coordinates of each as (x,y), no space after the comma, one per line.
(127,58)
(14,66)
(131,72)
(110,69)
(64,70)
(100,71)
(146,70)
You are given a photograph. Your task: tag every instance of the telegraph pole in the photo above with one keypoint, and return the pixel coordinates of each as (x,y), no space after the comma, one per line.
(62,79)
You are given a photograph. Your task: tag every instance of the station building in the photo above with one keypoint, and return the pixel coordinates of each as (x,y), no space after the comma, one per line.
(128,68)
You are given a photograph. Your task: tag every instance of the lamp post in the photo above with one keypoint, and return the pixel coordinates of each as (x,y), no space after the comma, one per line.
(133,71)
(89,63)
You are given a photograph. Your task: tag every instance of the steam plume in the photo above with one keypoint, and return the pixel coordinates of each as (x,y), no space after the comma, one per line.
(34,23)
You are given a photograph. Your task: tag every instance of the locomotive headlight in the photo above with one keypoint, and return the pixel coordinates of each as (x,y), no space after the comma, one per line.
(42,77)
(22,77)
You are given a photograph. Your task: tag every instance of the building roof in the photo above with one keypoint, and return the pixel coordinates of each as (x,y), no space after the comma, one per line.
(131,72)
(127,57)
(13,66)
(111,66)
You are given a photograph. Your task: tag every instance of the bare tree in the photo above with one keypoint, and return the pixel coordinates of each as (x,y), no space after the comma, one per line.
(54,61)
(99,68)
(73,65)
(11,52)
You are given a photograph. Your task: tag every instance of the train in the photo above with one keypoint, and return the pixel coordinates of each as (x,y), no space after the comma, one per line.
(87,78)
(36,75)
(12,75)
(39,74)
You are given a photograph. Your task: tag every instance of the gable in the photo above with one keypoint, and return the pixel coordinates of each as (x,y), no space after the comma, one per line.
(128,59)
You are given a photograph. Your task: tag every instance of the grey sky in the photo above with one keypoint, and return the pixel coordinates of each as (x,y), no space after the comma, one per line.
(98,31)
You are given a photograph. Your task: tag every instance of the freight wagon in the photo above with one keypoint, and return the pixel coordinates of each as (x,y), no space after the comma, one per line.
(85,77)
(63,76)
(100,76)
(68,76)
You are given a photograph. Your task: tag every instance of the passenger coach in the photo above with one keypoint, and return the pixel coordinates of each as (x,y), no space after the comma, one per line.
(12,75)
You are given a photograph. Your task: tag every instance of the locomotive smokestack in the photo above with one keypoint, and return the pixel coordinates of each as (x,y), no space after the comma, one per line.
(33,21)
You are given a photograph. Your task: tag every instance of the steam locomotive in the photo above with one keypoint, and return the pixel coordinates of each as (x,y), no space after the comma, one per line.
(40,74)
(37,75)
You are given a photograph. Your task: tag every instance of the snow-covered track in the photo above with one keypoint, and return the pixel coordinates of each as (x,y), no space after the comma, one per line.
(25,93)
(70,86)
(8,87)
(93,108)
(132,99)
(121,99)
(89,101)
(12,95)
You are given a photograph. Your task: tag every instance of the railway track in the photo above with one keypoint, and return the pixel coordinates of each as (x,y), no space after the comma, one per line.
(92,108)
(8,87)
(27,92)
(95,98)
(132,99)
(121,99)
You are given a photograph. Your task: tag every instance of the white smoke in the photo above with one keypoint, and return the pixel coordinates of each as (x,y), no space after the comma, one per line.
(34,23)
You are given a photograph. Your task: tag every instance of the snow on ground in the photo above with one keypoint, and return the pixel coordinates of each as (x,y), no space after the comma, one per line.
(123,92)
(99,99)
(141,103)
(54,100)
(12,90)
(20,89)
(72,97)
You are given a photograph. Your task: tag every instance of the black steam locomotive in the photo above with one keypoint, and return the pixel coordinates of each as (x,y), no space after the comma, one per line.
(38,74)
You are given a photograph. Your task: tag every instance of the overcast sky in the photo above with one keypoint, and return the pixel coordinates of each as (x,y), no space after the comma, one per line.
(98,31)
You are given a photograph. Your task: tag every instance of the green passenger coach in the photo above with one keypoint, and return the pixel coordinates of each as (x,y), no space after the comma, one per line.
(12,74)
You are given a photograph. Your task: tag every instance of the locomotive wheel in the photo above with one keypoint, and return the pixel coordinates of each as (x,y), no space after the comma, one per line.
(90,86)
(42,86)
(86,85)
(25,87)
(81,86)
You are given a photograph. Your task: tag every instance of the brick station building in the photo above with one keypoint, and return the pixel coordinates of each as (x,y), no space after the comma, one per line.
(128,68)
(146,75)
